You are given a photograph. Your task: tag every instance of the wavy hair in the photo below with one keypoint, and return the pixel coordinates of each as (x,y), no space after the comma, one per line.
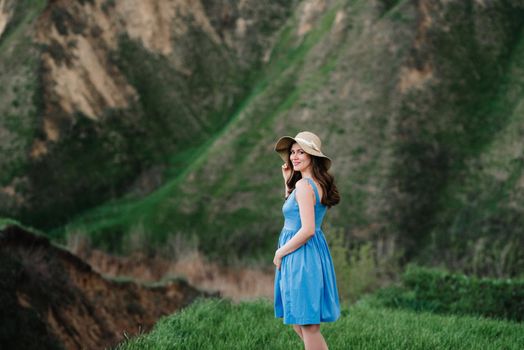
(330,195)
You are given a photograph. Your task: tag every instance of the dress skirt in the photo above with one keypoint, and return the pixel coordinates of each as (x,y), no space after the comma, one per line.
(305,285)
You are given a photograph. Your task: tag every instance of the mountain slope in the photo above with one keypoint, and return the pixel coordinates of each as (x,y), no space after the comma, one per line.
(417,102)
(115,89)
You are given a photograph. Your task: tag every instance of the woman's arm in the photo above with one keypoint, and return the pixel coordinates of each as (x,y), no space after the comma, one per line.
(306,203)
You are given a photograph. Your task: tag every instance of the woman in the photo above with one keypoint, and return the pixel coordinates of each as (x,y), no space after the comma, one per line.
(305,284)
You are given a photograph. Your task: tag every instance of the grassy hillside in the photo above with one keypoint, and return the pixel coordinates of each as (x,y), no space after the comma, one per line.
(221,176)
(456,178)
(20,97)
(217,192)
(418,103)
(57,162)
(405,96)
(219,324)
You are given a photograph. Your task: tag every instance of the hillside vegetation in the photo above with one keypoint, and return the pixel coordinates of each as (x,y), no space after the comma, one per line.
(107,98)
(418,103)
(439,291)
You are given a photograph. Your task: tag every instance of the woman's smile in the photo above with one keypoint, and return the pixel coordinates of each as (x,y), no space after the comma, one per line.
(300,160)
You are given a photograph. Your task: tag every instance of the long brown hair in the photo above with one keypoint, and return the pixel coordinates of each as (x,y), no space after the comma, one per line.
(330,195)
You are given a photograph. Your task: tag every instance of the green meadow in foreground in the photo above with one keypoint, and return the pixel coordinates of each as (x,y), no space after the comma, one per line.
(220,324)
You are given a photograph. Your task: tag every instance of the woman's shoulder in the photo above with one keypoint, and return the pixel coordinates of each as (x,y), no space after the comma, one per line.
(303,186)
(301,181)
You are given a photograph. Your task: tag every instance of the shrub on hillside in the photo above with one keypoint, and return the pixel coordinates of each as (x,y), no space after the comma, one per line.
(360,269)
(424,289)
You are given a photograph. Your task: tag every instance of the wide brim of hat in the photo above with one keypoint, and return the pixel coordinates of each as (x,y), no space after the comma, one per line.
(282,147)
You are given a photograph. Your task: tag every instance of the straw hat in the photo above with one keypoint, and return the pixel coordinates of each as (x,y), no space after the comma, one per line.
(309,142)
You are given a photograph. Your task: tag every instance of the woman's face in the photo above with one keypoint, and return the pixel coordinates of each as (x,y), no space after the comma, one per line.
(299,159)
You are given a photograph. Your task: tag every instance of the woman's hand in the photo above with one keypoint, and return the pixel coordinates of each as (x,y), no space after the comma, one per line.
(277,260)
(286,171)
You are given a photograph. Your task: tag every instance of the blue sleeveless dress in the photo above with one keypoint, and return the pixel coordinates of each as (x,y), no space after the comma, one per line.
(305,285)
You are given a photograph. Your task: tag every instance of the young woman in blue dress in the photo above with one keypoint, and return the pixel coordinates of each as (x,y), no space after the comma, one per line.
(305,283)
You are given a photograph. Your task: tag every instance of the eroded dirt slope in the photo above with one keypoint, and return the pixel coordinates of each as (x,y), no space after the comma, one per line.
(50,298)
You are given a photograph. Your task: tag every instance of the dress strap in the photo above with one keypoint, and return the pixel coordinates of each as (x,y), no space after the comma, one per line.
(317,196)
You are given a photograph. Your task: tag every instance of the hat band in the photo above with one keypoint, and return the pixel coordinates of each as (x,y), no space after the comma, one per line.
(309,143)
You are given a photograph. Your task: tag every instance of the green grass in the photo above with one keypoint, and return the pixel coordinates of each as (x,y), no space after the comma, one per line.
(220,324)
(5,221)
